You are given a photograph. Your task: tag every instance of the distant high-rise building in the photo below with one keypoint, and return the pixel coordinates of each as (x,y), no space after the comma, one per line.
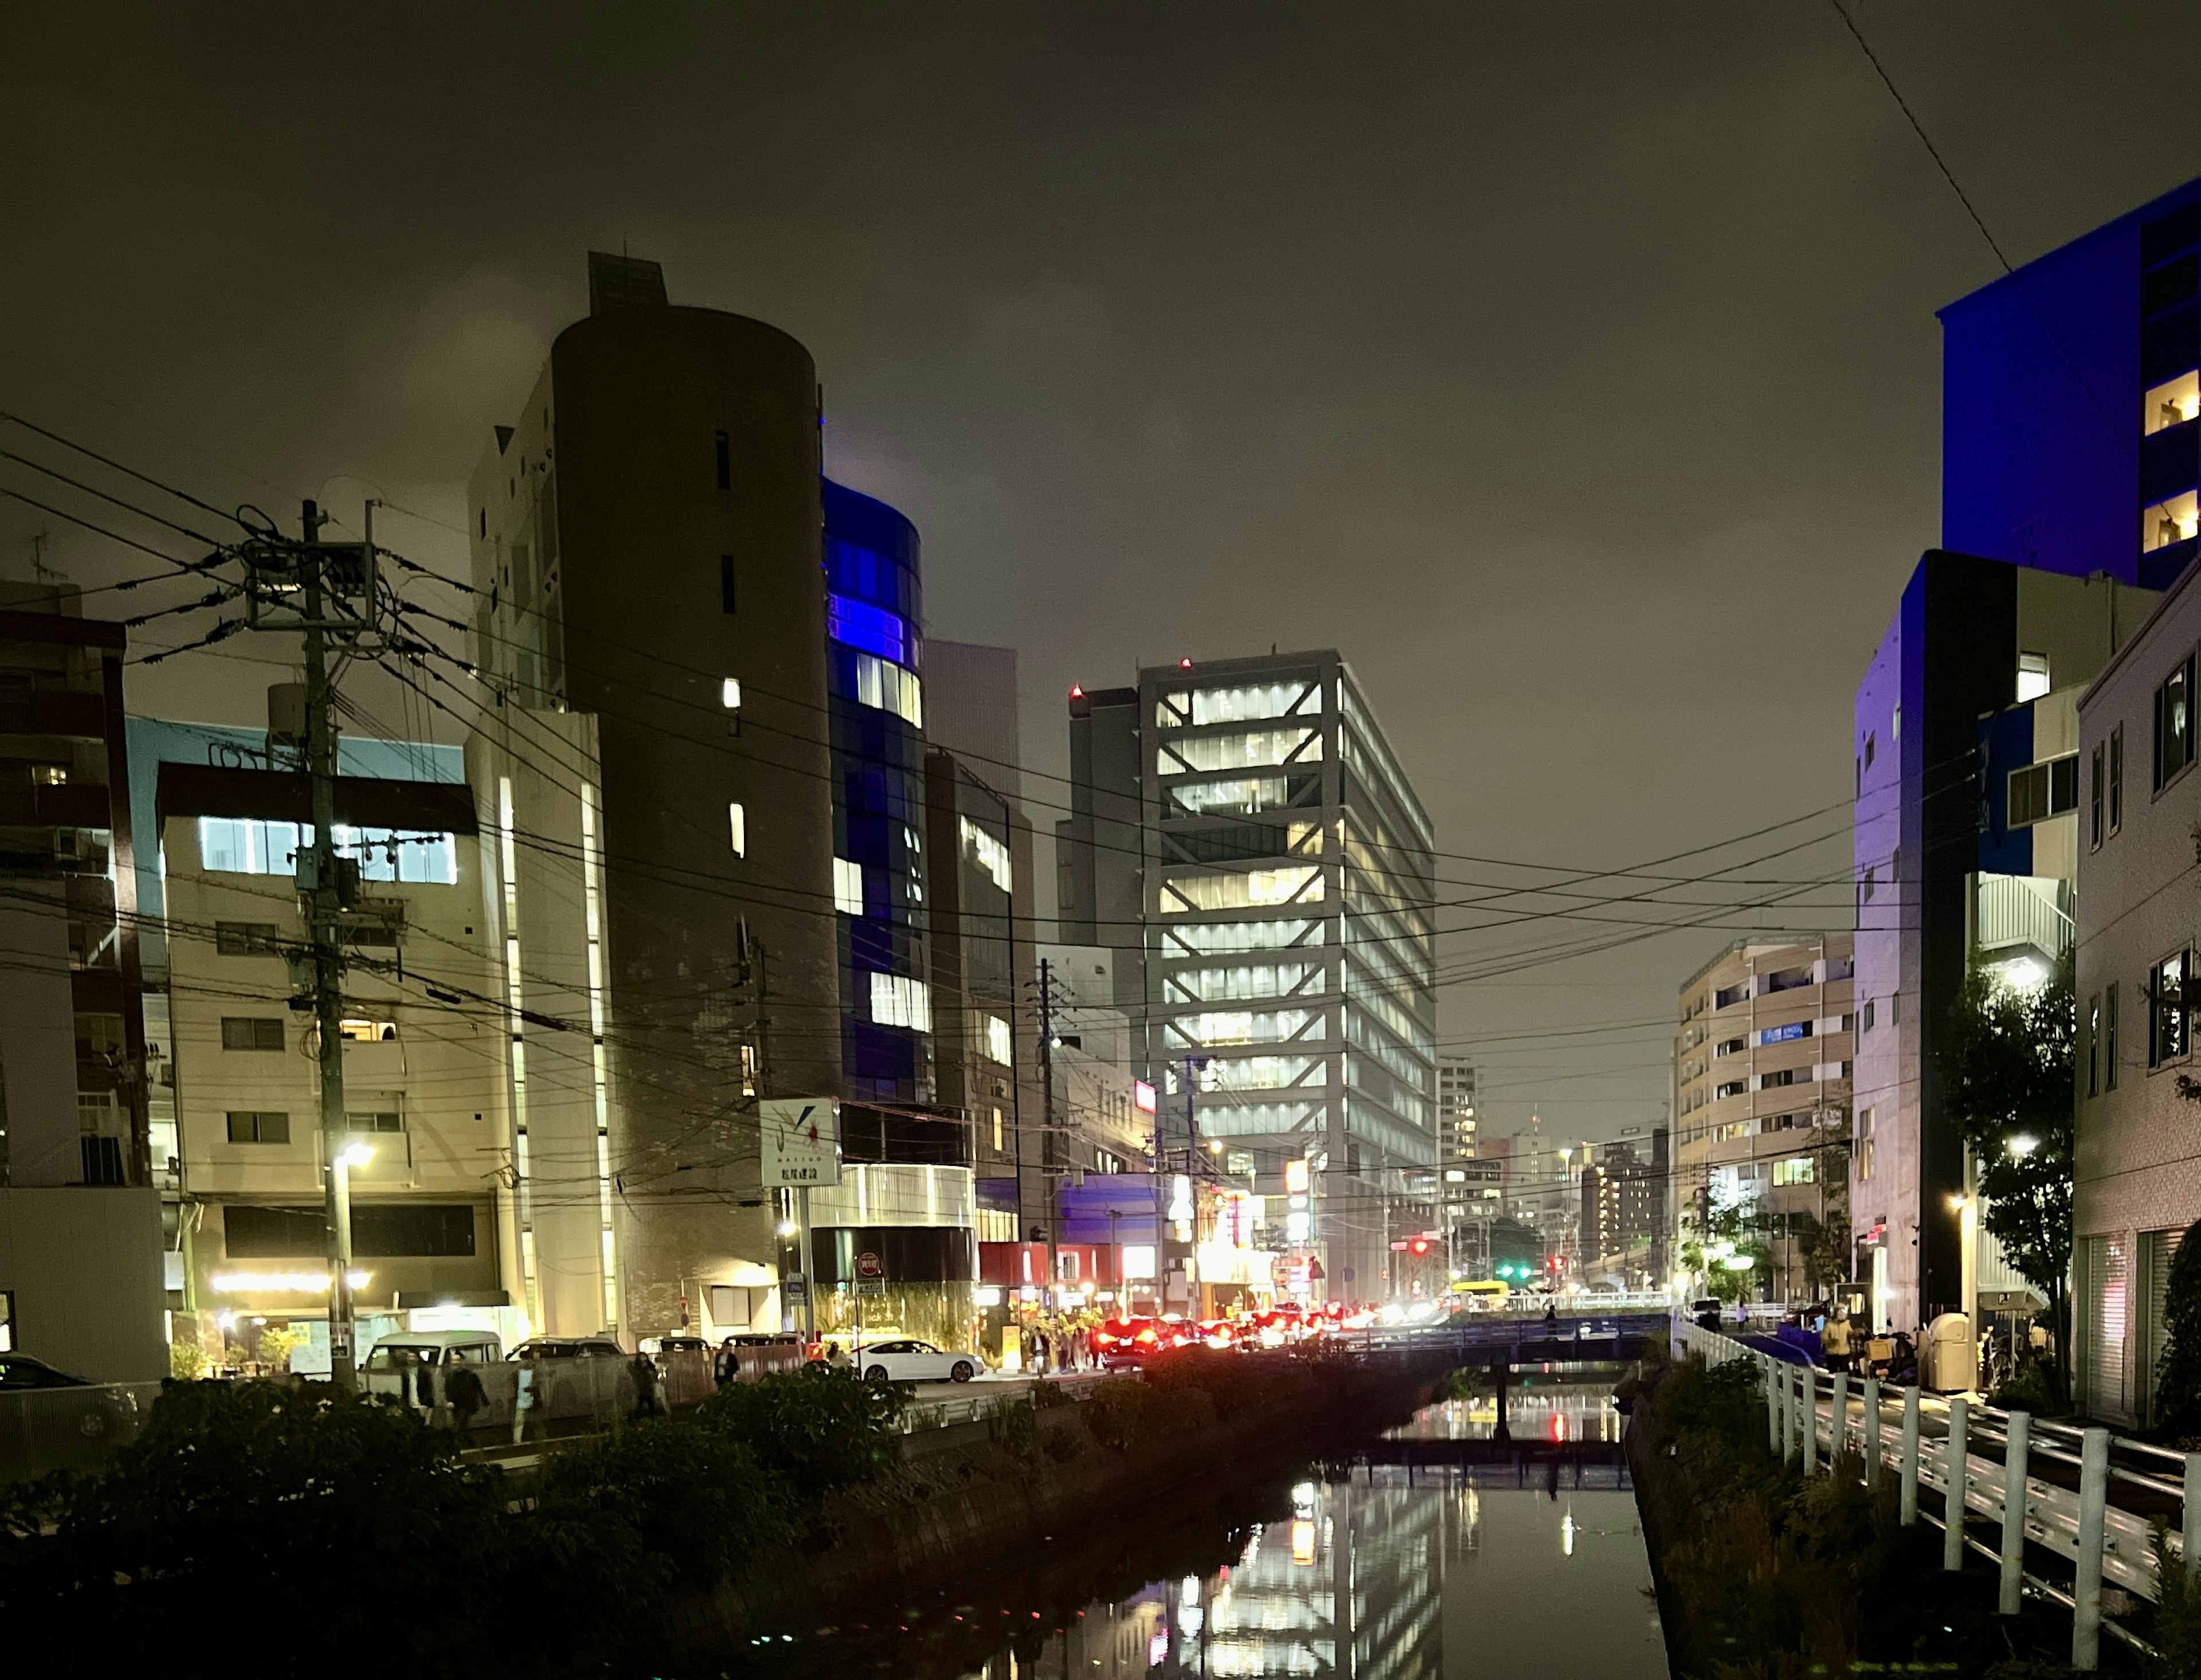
(1761,1067)
(1241,830)
(1455,1109)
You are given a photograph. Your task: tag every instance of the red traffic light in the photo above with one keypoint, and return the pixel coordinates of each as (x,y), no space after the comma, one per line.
(1420,1245)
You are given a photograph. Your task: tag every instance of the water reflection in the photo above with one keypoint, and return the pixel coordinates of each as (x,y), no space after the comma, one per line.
(1439,1550)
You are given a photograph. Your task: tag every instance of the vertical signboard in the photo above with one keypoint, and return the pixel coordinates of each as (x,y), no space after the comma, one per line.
(801,1141)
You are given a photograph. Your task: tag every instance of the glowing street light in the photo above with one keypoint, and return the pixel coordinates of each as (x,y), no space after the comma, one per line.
(355,1155)
(2022,1145)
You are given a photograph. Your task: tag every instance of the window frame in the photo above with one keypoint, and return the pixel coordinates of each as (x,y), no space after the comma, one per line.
(259,1045)
(2162,778)
(2109,1037)
(2096,779)
(2117,778)
(257,1120)
(2159,1013)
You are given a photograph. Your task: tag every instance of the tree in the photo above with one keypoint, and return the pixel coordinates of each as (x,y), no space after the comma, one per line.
(2006,1085)
(2178,1392)
(1730,1231)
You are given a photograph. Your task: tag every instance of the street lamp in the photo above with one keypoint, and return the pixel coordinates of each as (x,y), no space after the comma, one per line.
(2022,1145)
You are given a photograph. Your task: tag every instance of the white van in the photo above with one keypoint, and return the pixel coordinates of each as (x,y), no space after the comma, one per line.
(403,1366)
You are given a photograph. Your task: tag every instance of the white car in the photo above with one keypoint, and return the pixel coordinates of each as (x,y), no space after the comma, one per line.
(906,1359)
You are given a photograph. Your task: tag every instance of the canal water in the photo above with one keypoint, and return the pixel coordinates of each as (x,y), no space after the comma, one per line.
(1446,1548)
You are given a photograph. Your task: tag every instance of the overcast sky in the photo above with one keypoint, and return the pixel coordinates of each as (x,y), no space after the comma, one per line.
(1572,370)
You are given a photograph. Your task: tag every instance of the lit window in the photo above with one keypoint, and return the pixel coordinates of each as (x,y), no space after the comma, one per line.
(356,1031)
(1250,751)
(1796,1171)
(997,1131)
(2173,725)
(2042,790)
(2166,1022)
(2032,677)
(989,854)
(253,846)
(2171,404)
(999,1045)
(1242,890)
(887,686)
(1238,705)
(898,1001)
(1243,797)
(730,694)
(2167,522)
(738,829)
(847,887)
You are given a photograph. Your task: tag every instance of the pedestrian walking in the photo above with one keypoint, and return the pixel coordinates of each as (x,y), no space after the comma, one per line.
(1836,1340)
(645,1386)
(464,1393)
(725,1364)
(523,1400)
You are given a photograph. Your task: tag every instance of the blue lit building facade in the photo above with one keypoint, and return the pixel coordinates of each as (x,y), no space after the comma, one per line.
(874,627)
(2070,416)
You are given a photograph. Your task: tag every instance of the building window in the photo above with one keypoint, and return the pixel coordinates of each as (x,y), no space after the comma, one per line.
(1780,1077)
(999,1045)
(2117,778)
(382,1122)
(847,887)
(2094,1044)
(738,829)
(254,1126)
(2042,790)
(361,1029)
(884,684)
(1865,891)
(2032,677)
(722,450)
(2110,1037)
(1732,1088)
(101,1159)
(2095,782)
(245,939)
(1871,744)
(2171,404)
(990,854)
(2166,1016)
(1730,1046)
(1241,889)
(252,1032)
(251,846)
(2174,723)
(2169,522)
(1794,1170)
(729,595)
(898,1001)
(1868,1014)
(997,1131)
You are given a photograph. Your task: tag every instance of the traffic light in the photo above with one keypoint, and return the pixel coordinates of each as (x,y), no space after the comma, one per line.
(1419,1245)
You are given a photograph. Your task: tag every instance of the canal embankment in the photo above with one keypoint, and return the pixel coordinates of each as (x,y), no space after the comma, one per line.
(1762,1571)
(1033,1475)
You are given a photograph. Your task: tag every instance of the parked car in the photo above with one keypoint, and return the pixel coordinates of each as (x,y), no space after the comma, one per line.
(403,1365)
(907,1359)
(567,1347)
(20,1371)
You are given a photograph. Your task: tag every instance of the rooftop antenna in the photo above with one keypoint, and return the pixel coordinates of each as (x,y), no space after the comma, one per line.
(40,572)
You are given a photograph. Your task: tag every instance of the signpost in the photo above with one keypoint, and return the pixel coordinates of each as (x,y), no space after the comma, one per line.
(800,1137)
(871,1280)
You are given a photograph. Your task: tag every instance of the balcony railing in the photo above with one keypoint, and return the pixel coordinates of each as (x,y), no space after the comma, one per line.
(2014,913)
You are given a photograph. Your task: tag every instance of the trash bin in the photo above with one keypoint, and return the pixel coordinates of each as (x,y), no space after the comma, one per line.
(1951,1364)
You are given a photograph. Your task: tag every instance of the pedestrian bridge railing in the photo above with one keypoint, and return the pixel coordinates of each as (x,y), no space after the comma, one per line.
(2089,1497)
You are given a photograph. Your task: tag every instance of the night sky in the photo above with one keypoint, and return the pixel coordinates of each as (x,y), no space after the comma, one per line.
(1572,370)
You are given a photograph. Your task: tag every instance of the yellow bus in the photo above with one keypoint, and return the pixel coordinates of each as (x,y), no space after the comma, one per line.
(1490,1294)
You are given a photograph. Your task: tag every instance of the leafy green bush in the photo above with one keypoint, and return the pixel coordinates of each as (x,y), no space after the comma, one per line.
(1124,1413)
(1046,1397)
(1064,1445)
(291,1498)
(1470,1382)
(2178,1391)
(694,1500)
(814,1430)
(1015,1424)
(2033,1388)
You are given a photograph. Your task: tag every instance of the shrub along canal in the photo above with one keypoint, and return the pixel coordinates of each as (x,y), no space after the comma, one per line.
(1445,1546)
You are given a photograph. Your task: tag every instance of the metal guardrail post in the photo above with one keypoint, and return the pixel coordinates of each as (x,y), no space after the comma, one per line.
(1956,1462)
(2190,1532)
(1807,1390)
(1770,1371)
(1910,1456)
(1788,1411)
(2086,1590)
(1872,1432)
(2017,1440)
(1838,1437)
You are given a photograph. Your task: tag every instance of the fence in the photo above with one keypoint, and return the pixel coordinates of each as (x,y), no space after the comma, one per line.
(1931,1441)
(74,1427)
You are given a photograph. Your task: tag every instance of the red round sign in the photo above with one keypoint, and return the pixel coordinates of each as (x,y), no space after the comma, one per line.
(868,1265)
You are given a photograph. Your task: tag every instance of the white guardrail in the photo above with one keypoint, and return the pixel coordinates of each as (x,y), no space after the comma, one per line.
(1920,1436)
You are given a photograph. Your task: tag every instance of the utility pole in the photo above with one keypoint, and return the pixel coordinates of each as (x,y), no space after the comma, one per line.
(323,903)
(323,592)
(1047,1126)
